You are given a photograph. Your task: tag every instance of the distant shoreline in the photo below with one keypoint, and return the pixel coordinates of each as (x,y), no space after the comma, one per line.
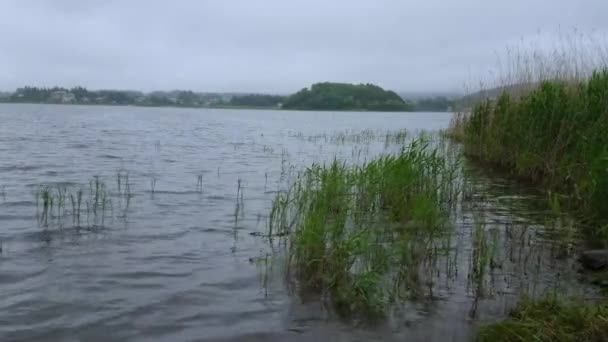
(323,96)
(215,107)
(135,105)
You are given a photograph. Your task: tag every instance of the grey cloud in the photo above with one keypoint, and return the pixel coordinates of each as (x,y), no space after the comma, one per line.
(271,45)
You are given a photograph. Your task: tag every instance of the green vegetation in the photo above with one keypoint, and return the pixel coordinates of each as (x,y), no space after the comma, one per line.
(80,95)
(88,207)
(545,122)
(553,135)
(365,234)
(74,95)
(256,101)
(436,104)
(343,96)
(550,320)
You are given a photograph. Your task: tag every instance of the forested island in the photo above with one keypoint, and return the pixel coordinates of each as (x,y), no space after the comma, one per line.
(344,96)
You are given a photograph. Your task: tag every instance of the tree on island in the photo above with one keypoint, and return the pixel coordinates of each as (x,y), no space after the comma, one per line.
(256,100)
(344,96)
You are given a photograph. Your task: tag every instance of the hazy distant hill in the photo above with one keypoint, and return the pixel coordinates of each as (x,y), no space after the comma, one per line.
(470,99)
(416,96)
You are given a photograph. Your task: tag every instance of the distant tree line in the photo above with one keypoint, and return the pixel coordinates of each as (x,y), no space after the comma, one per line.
(257,100)
(344,96)
(320,96)
(435,104)
(80,95)
(73,95)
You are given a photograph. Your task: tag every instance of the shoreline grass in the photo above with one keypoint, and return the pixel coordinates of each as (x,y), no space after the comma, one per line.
(546,123)
(550,319)
(553,136)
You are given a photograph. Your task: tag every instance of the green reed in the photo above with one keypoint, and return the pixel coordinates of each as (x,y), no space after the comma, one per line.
(363,137)
(550,319)
(152,185)
(481,259)
(199,183)
(45,195)
(553,135)
(52,202)
(362,234)
(76,201)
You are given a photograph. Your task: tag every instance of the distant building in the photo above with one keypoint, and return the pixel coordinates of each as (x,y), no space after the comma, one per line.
(68,98)
(213,101)
(57,96)
(62,96)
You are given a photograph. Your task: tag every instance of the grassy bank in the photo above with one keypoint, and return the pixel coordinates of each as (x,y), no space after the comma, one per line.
(545,121)
(359,236)
(550,320)
(554,135)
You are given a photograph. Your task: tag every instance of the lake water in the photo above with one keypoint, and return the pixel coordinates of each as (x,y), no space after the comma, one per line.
(176,255)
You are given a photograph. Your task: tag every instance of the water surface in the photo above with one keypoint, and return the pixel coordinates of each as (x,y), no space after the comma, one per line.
(180,257)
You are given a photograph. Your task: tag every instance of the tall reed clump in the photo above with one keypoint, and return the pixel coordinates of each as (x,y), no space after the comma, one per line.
(550,320)
(360,236)
(555,135)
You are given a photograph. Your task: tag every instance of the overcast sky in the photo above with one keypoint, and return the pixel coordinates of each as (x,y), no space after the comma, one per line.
(274,46)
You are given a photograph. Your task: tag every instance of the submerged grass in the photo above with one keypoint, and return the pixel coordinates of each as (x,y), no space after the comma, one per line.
(360,236)
(550,320)
(94,202)
(364,137)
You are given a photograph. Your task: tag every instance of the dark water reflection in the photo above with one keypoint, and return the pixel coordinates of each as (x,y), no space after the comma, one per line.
(183,261)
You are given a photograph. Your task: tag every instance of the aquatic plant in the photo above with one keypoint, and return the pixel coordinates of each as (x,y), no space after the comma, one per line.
(199,183)
(152,185)
(480,256)
(363,137)
(456,131)
(543,117)
(550,319)
(76,201)
(44,194)
(361,234)
(555,136)
(51,203)
(546,123)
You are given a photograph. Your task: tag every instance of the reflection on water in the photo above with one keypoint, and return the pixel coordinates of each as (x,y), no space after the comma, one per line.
(158,216)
